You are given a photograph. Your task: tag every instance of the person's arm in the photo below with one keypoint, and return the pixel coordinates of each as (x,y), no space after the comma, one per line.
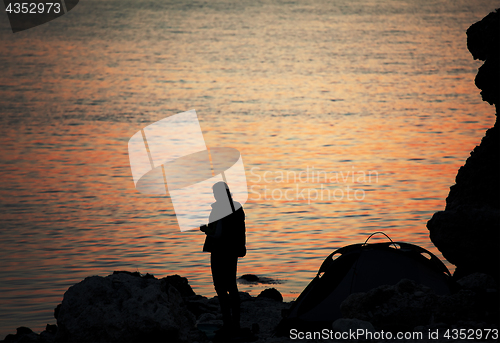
(210,228)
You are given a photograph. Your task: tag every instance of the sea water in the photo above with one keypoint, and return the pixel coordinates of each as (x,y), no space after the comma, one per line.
(351,117)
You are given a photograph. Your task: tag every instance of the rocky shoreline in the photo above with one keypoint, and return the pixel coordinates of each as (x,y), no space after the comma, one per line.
(129,307)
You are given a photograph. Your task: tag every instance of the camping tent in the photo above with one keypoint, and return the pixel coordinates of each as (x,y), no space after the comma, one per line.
(359,268)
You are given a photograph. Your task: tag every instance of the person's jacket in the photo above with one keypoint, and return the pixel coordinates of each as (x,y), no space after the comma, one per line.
(227,235)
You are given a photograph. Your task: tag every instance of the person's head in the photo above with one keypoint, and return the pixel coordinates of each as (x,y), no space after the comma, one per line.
(221,191)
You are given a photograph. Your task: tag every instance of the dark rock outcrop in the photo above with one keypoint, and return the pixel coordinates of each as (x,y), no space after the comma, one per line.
(254,279)
(250,278)
(483,42)
(124,308)
(467,232)
(26,335)
(406,305)
(400,307)
(130,307)
(351,324)
(23,334)
(180,283)
(271,293)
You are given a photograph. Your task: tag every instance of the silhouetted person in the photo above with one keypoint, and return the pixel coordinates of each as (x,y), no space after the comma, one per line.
(226,242)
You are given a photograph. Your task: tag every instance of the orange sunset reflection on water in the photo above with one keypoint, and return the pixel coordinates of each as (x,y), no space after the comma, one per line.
(303,199)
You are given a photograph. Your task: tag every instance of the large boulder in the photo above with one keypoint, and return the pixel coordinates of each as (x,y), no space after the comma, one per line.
(467,232)
(23,334)
(271,293)
(124,308)
(26,335)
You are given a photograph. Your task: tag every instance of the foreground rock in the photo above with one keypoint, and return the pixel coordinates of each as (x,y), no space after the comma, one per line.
(407,306)
(24,334)
(261,314)
(128,307)
(467,232)
(124,308)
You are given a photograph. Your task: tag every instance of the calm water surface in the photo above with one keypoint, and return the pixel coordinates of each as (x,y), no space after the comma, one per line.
(311,94)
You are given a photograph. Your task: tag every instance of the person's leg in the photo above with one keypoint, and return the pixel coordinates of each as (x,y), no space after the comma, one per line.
(233,290)
(219,275)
